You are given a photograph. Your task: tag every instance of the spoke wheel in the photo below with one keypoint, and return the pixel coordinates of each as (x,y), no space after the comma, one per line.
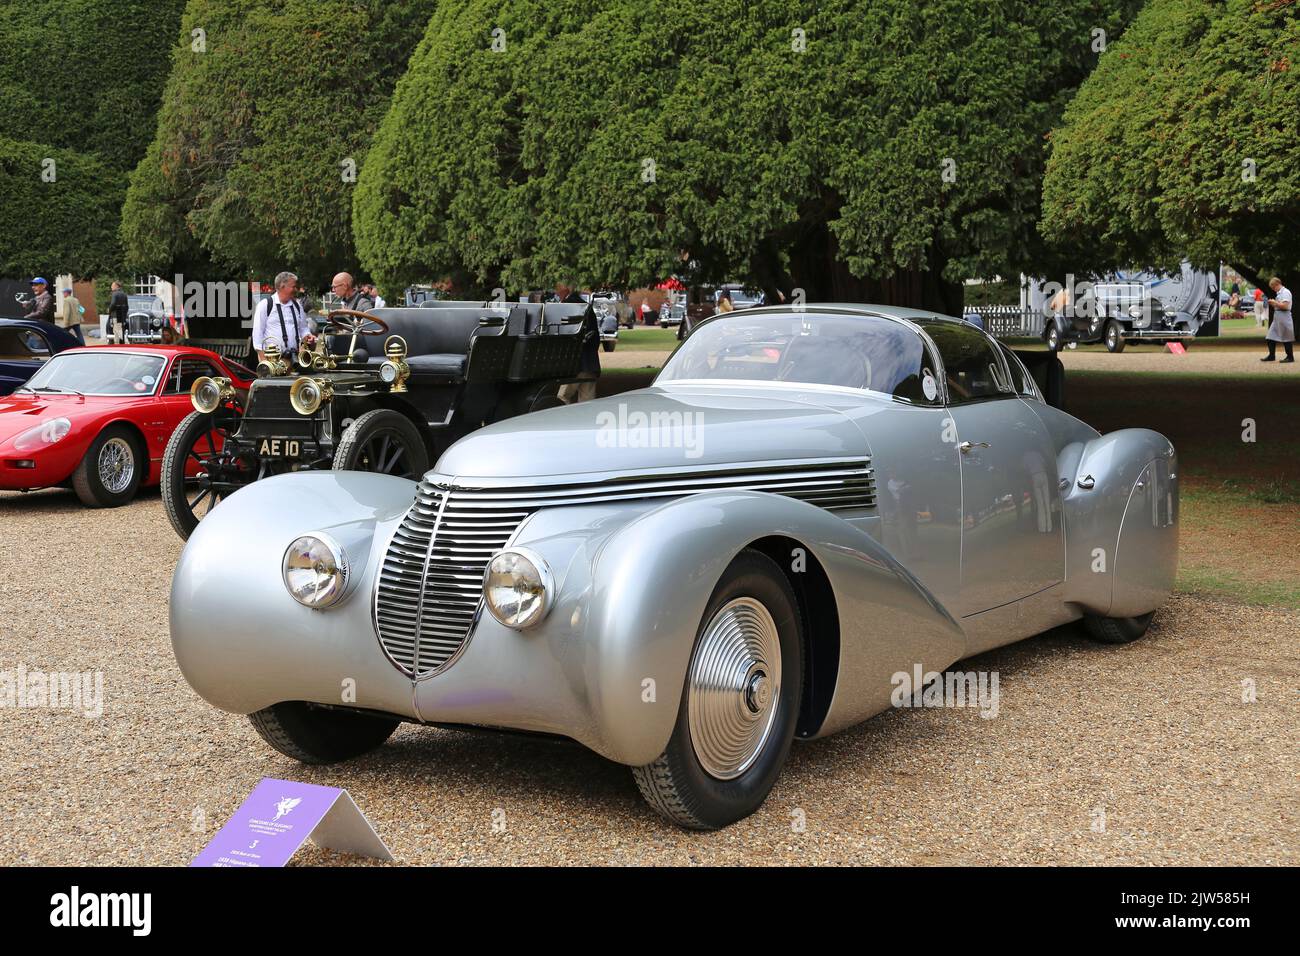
(199,470)
(116,465)
(385,442)
(112,469)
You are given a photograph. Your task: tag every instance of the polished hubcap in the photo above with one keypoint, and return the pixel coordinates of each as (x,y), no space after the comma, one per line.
(734,688)
(116,465)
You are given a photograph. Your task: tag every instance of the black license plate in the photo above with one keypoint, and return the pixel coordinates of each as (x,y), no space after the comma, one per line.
(279,448)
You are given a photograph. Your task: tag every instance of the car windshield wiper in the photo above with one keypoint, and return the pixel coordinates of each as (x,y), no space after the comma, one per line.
(56,388)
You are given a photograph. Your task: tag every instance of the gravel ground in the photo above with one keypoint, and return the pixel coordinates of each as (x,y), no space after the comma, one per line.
(1152,738)
(633,358)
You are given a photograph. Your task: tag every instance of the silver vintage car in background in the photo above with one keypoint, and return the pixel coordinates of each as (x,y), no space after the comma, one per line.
(684,578)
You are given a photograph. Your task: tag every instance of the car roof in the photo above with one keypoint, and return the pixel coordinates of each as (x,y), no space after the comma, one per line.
(160,350)
(904,313)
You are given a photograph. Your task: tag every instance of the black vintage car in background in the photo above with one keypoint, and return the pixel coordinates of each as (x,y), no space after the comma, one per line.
(146,318)
(1117,314)
(385,391)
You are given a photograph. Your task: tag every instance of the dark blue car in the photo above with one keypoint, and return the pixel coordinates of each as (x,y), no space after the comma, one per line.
(26,345)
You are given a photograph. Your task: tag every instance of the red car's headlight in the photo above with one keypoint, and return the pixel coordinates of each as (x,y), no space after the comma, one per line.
(43,435)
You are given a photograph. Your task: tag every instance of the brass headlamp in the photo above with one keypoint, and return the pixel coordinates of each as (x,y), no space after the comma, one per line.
(308,394)
(208,394)
(275,363)
(395,371)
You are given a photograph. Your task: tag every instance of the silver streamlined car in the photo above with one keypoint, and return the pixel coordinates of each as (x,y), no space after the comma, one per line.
(684,578)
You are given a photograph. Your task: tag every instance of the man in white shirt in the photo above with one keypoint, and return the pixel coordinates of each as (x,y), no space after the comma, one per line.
(1283,327)
(373,292)
(280,319)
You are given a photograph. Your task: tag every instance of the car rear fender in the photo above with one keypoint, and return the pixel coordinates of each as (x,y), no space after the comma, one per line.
(1121,520)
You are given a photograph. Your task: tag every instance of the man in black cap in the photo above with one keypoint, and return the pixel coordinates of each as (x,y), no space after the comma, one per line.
(41,307)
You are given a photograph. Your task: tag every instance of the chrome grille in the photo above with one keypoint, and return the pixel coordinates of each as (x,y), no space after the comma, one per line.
(431,583)
(432,578)
(270,413)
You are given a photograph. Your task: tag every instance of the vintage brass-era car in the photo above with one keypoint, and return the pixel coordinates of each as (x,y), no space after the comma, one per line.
(805,505)
(444,370)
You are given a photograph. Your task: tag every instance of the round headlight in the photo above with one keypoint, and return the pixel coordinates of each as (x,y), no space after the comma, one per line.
(43,435)
(518,588)
(207,394)
(307,395)
(315,570)
(1135,312)
(388,373)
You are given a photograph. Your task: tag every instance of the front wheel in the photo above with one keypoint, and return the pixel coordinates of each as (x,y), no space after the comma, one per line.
(608,346)
(198,470)
(1117,630)
(1114,337)
(314,734)
(383,441)
(739,705)
(112,469)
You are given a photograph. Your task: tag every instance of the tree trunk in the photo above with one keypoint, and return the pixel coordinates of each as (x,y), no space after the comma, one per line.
(817,269)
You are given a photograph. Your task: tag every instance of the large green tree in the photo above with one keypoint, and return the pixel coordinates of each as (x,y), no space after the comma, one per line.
(59,208)
(268,112)
(80,82)
(877,149)
(1184,143)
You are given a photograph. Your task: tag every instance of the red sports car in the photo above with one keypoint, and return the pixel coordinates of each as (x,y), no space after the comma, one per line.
(98,419)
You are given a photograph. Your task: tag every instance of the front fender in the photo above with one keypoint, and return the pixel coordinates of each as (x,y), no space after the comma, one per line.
(652,580)
(241,641)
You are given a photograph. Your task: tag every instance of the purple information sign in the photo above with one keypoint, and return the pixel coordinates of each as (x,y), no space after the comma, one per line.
(279,816)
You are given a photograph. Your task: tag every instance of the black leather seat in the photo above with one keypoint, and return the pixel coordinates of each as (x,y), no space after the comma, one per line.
(437,338)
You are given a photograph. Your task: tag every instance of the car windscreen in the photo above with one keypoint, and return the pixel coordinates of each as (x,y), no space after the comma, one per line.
(810,349)
(144,303)
(99,373)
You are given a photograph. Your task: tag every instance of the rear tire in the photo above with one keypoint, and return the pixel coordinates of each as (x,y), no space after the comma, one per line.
(739,705)
(318,734)
(110,473)
(1117,630)
(608,346)
(383,441)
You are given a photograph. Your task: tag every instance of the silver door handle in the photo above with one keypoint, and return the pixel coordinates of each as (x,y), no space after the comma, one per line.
(1087,482)
(966,446)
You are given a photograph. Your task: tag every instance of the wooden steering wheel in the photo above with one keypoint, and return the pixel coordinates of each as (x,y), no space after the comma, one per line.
(362,324)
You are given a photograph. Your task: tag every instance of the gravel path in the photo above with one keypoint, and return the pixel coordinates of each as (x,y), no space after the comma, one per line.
(1154,736)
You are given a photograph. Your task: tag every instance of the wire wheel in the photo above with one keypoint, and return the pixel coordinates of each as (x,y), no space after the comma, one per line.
(734,688)
(116,465)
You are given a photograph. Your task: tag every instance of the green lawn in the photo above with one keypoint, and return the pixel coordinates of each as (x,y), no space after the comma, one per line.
(643,339)
(1240,535)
